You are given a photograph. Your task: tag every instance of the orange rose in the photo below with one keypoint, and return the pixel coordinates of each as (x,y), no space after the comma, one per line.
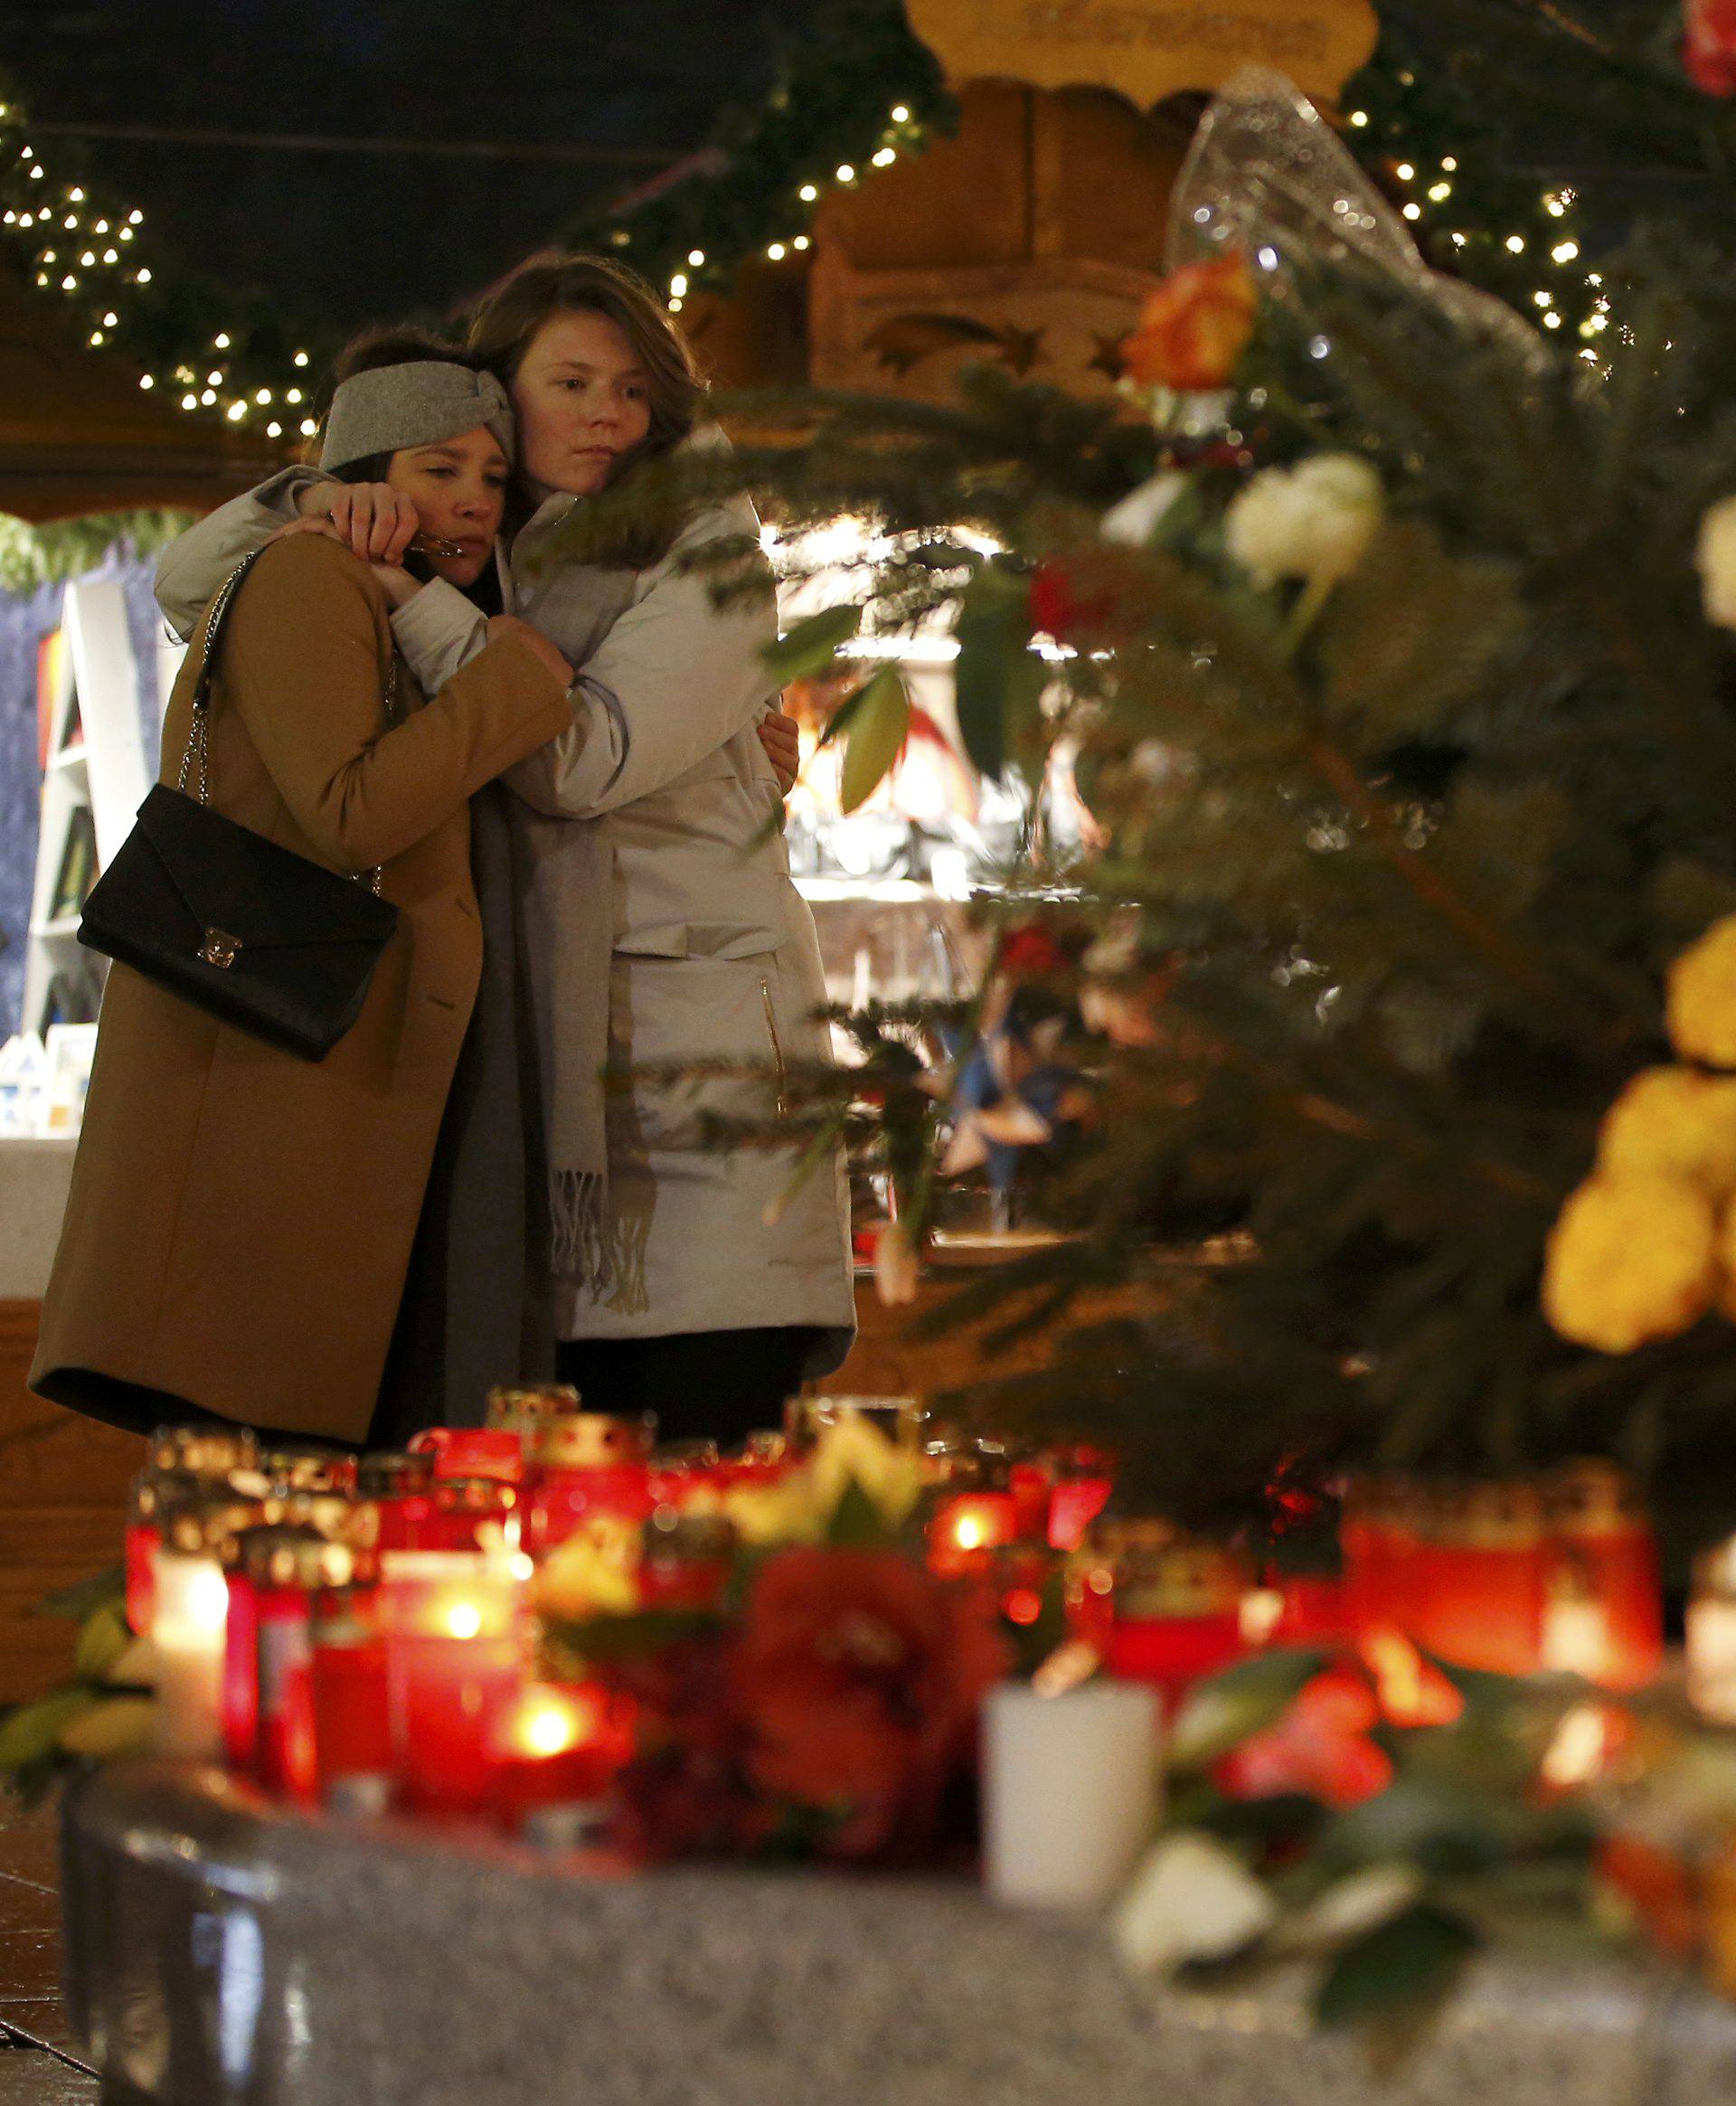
(1194,326)
(857,1680)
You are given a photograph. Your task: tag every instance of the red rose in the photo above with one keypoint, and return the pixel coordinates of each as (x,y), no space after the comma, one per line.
(856,1679)
(1708,45)
(1194,326)
(1059,609)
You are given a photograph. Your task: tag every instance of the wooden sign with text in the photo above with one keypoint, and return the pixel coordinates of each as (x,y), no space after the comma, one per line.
(1146,49)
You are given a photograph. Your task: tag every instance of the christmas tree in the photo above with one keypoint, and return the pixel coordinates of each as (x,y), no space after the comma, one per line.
(1404,715)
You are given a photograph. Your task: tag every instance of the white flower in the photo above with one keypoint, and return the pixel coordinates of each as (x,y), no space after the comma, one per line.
(1192,1899)
(1133,521)
(1716,554)
(1359,1902)
(1313,521)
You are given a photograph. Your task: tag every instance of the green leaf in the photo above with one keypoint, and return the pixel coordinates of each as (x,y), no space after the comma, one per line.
(34,1731)
(878,729)
(1221,1713)
(626,1637)
(993,630)
(77,1600)
(812,644)
(102,1641)
(1413,1959)
(856,1523)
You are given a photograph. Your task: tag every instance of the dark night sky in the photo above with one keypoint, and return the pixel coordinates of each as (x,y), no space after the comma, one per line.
(359,236)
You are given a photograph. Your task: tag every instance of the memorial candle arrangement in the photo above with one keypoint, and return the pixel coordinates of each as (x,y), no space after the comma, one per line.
(455,1661)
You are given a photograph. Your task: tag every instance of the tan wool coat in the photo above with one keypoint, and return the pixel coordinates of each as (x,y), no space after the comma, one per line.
(241,1219)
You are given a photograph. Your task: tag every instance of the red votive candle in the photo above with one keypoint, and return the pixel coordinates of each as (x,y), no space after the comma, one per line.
(1483,1567)
(351,1714)
(1599,1525)
(557,1744)
(588,1464)
(1033,1490)
(1083,1485)
(1177,1609)
(400,1487)
(473,1452)
(968,1528)
(453,1665)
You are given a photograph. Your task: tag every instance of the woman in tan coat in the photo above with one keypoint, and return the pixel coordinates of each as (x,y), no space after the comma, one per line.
(241,1221)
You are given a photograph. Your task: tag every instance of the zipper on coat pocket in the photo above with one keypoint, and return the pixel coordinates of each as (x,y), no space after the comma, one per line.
(777,1047)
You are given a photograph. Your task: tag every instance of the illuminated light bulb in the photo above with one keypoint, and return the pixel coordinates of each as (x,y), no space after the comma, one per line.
(99,227)
(96,337)
(214,379)
(87,259)
(900,113)
(1552,321)
(263,397)
(1555,208)
(777,252)
(41,277)
(111,321)
(1591,355)
(1440,192)
(1516,244)
(678,283)
(292,395)
(846,174)
(1458,241)
(1542,299)
(1564,252)
(695,256)
(885,157)
(1405,172)
(72,219)
(69,284)
(189,401)
(143,277)
(308,427)
(1594,278)
(144,381)
(1413,212)
(674,306)
(111,256)
(209,396)
(126,233)
(48,256)
(273,431)
(808,191)
(36,172)
(26,152)
(1359,118)
(76,195)
(1450,162)
(12,219)
(462,1619)
(801,241)
(301,358)
(236,411)
(133,219)
(221,342)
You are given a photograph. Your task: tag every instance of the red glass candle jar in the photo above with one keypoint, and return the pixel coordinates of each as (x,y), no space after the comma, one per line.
(684,1470)
(1032,1488)
(352,1712)
(286,1567)
(968,1528)
(1597,1524)
(401,1487)
(558,1744)
(454,1663)
(1178,1613)
(473,1452)
(190,1619)
(1483,1567)
(291,1465)
(588,1465)
(468,1514)
(1082,1484)
(525,1407)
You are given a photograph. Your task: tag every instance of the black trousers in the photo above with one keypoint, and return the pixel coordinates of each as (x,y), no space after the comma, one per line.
(721,1385)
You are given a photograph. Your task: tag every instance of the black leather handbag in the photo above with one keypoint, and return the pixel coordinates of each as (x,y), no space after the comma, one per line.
(250,932)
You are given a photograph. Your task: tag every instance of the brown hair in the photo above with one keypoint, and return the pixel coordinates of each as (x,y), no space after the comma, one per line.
(505,323)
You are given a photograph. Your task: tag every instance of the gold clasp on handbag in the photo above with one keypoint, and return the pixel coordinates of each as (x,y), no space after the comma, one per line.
(220,947)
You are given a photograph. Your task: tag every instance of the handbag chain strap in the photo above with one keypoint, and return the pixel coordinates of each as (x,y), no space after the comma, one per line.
(198,752)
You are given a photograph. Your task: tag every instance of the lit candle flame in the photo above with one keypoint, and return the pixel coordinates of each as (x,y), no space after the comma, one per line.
(462,1619)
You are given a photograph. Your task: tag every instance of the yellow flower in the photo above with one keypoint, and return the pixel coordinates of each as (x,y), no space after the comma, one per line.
(1700,1009)
(790,1511)
(1630,1258)
(1674,1122)
(852,1450)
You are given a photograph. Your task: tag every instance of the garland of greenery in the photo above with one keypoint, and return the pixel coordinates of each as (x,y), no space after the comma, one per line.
(856,96)
(32,555)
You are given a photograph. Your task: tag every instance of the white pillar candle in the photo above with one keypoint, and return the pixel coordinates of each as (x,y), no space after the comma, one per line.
(188,1625)
(1711,1659)
(1070,1792)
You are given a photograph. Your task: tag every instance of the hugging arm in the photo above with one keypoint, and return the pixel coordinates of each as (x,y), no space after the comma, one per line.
(194,564)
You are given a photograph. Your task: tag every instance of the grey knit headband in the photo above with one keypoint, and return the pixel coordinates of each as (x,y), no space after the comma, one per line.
(416,404)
